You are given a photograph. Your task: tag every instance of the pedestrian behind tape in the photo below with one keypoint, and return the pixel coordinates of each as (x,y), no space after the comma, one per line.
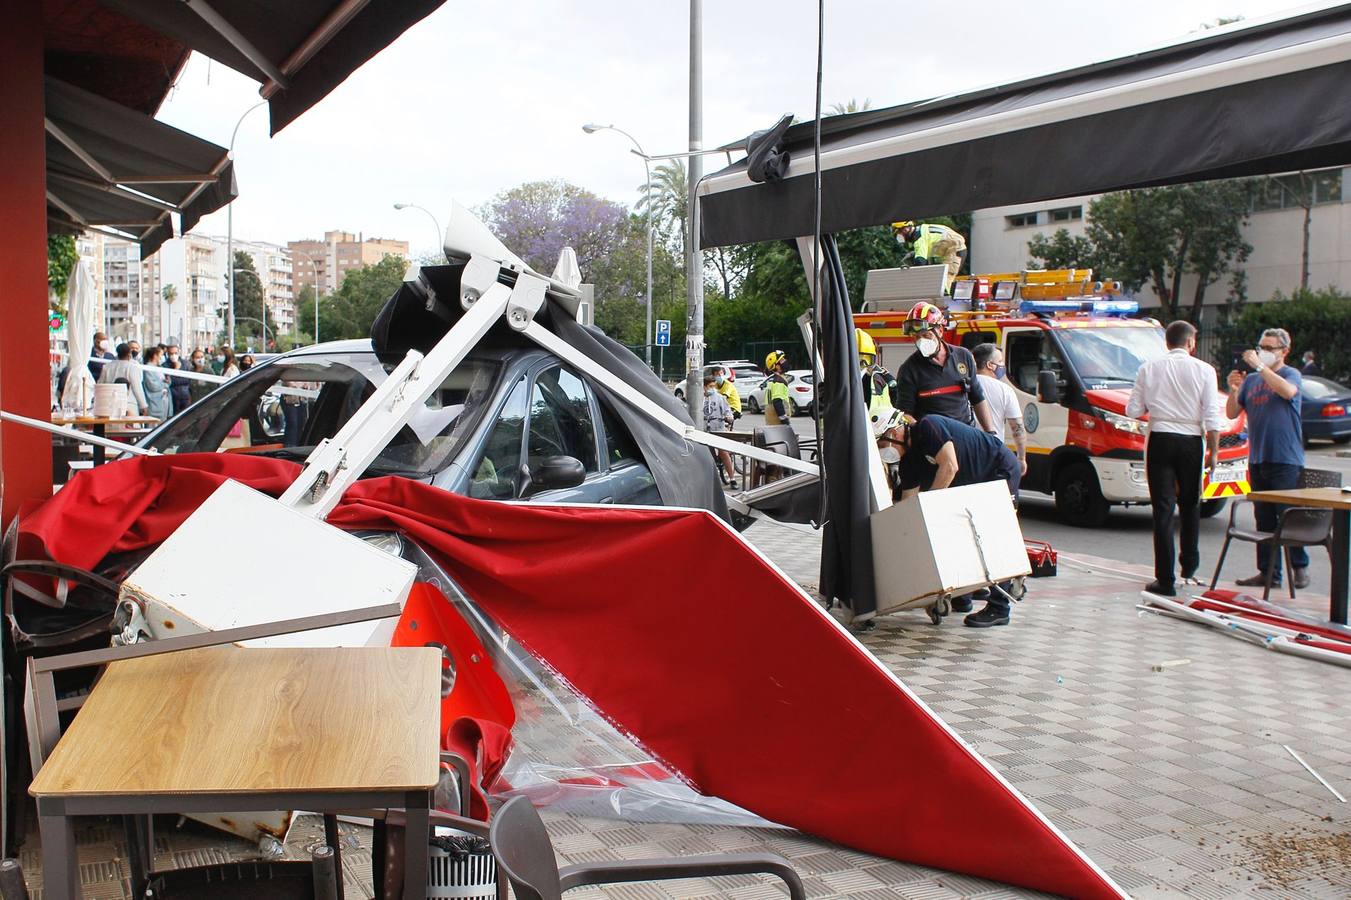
(1179,394)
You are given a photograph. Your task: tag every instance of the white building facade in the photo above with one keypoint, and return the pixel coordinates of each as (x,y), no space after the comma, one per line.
(1000,235)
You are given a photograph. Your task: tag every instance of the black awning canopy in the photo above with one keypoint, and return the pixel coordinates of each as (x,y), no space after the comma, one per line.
(299,50)
(1269,97)
(110,167)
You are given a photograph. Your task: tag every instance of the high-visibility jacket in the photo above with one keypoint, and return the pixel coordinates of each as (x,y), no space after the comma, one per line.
(729,393)
(777,389)
(938,243)
(879,388)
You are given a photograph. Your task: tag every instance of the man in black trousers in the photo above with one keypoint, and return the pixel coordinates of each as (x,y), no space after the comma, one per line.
(1180,394)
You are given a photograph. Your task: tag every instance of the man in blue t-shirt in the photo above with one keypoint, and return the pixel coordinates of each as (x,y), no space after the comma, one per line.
(939,452)
(1270,397)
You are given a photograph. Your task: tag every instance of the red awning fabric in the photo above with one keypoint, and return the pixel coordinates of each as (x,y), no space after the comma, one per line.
(733,678)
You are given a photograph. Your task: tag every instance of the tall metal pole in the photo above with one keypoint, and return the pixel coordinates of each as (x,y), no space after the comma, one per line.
(230,235)
(647,164)
(694,257)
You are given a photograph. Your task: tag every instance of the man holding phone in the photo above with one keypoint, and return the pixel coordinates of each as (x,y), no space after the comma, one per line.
(1270,397)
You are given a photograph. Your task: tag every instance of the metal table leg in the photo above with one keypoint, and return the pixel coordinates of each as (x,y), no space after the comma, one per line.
(416,834)
(60,869)
(100,454)
(1341,534)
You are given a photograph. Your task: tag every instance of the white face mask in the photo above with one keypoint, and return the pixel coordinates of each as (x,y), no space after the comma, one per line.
(1267,357)
(926,346)
(105,344)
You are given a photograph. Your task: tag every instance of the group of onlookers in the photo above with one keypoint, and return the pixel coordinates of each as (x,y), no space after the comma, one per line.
(152,391)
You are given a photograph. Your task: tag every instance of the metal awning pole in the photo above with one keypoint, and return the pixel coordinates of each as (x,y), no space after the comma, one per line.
(70,433)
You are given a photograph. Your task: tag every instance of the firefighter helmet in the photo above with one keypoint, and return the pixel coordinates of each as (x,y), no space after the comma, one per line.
(775,357)
(866,346)
(922,317)
(905,223)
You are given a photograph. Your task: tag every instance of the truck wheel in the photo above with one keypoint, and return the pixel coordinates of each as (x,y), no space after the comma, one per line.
(1212,508)
(1078,498)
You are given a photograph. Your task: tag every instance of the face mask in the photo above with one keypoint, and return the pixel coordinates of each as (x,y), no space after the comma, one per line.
(708,392)
(220,359)
(926,346)
(105,344)
(999,372)
(173,357)
(197,362)
(1267,357)
(721,381)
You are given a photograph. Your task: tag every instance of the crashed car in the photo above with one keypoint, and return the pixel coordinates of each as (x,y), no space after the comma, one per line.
(510,423)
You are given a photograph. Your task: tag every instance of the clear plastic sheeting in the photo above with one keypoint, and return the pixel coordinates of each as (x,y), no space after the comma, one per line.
(566,754)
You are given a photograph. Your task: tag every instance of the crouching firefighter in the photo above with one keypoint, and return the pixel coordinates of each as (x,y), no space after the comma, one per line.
(939,452)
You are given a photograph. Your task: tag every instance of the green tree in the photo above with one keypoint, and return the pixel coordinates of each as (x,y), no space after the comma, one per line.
(305,300)
(1317,320)
(61,258)
(1155,236)
(349,311)
(853,106)
(620,280)
(670,203)
(249,307)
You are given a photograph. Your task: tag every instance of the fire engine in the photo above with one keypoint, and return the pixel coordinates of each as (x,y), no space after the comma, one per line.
(1071,351)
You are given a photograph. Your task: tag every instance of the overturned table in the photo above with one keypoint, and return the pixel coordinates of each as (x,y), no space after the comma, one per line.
(231,729)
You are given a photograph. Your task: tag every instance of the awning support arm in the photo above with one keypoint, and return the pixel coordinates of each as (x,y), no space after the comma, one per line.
(335,22)
(221,26)
(74,147)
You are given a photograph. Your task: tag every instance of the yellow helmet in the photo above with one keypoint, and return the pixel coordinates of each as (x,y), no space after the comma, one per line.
(897,226)
(866,345)
(774,358)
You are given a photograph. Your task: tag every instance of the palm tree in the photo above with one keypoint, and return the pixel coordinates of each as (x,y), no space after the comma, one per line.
(670,198)
(841,109)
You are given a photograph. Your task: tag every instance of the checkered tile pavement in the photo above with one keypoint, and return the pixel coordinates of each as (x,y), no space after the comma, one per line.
(1175,782)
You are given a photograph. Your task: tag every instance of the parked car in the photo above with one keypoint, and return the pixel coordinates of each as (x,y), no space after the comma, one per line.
(1325,409)
(500,427)
(801,392)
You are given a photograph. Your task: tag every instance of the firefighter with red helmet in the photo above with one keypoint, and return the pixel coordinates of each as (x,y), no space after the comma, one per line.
(939,377)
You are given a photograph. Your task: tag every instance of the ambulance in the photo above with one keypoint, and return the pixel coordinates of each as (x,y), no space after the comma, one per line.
(1071,349)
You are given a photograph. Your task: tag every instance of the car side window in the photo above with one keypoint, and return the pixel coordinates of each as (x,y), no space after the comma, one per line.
(560,419)
(495,476)
(620,447)
(1024,360)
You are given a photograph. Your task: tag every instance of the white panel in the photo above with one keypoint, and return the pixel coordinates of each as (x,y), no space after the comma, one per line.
(280,564)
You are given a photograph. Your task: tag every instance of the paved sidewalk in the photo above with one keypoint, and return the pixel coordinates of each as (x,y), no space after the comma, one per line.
(1175,782)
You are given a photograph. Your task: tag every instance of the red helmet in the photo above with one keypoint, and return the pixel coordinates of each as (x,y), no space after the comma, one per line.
(922,317)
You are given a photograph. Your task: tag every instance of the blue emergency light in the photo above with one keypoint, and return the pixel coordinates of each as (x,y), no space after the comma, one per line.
(1093,305)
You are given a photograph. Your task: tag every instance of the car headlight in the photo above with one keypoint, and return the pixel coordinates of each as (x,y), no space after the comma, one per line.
(1123,423)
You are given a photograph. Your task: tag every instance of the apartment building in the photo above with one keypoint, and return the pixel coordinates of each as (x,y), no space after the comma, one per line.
(1275,228)
(184,287)
(324,264)
(273,263)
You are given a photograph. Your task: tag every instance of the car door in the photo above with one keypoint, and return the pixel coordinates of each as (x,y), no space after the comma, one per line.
(630,479)
(548,414)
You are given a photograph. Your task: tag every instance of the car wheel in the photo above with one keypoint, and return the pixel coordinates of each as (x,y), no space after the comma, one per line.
(1078,497)
(1212,508)
(753,404)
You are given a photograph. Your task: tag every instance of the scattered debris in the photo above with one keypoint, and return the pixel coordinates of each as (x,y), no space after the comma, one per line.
(1171,664)
(1308,768)
(1286,859)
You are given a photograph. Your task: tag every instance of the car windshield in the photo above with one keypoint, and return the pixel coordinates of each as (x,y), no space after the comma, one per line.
(1318,388)
(285,408)
(1111,355)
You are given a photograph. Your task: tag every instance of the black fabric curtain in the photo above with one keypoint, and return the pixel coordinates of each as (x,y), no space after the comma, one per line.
(846,541)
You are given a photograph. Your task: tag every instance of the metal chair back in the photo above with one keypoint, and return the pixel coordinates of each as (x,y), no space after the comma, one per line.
(524,852)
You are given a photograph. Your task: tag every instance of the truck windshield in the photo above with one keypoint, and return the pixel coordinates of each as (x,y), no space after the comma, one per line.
(1111,355)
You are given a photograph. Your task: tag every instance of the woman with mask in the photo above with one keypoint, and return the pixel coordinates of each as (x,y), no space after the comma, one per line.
(155,385)
(939,377)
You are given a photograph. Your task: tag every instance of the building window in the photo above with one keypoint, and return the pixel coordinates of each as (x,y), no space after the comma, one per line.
(1067,214)
(1022,220)
(1295,191)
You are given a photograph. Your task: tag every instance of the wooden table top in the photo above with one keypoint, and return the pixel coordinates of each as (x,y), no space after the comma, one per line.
(1325,497)
(249,720)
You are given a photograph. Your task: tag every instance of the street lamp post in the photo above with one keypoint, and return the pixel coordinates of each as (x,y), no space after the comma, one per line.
(440,235)
(230,233)
(647,167)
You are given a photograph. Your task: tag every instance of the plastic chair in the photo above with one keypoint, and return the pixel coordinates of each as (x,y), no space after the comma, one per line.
(775,438)
(525,855)
(1296,526)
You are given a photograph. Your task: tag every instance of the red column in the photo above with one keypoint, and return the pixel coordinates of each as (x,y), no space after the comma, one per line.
(25,454)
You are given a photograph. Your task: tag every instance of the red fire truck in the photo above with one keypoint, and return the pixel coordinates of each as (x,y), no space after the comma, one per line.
(1072,350)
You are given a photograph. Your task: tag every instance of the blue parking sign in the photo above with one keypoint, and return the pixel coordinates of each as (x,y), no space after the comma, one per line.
(663,332)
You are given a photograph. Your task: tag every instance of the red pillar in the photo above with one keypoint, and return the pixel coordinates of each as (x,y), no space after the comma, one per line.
(25,453)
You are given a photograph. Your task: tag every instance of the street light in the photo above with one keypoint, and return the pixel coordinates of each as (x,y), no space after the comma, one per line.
(440,239)
(230,232)
(647,168)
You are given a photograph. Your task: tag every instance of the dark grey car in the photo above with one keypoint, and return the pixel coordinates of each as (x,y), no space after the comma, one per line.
(487,432)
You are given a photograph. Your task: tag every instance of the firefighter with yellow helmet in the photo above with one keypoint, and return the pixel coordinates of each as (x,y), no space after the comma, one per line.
(932,245)
(778,406)
(879,386)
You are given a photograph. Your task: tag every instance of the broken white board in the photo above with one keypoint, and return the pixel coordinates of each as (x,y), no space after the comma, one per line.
(945,542)
(242,559)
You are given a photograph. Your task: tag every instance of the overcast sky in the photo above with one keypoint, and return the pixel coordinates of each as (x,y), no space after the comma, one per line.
(478,98)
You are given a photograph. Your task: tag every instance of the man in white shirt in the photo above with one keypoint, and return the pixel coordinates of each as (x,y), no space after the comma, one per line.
(1005,409)
(1179,393)
(124,368)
